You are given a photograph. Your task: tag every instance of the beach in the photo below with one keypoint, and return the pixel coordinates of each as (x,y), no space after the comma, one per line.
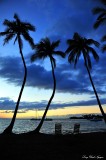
(53,147)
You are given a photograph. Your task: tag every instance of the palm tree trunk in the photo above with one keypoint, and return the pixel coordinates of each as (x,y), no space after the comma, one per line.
(46,110)
(99,103)
(8,130)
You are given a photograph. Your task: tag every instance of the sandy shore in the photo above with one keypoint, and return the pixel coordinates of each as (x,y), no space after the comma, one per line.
(53,147)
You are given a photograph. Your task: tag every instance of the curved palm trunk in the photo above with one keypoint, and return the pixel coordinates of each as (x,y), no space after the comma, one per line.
(46,110)
(99,103)
(8,130)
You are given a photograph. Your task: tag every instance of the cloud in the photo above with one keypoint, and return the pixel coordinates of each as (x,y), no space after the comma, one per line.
(12,111)
(69,80)
(25,106)
(6,103)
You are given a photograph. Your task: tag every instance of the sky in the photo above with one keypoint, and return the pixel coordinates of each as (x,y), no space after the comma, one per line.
(56,19)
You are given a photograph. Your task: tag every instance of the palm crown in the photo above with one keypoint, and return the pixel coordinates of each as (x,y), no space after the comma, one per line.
(45,48)
(101,11)
(17,28)
(79,45)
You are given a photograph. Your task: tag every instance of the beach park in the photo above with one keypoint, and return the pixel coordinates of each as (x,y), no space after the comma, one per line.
(52,80)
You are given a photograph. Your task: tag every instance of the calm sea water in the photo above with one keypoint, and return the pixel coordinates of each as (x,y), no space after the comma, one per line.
(48,127)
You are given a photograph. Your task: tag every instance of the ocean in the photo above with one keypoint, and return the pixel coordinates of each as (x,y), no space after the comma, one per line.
(22,126)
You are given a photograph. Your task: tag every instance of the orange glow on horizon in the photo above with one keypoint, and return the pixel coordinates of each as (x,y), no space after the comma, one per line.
(54,112)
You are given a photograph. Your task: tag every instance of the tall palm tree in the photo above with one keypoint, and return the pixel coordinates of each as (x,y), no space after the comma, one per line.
(101,12)
(81,46)
(17,29)
(45,49)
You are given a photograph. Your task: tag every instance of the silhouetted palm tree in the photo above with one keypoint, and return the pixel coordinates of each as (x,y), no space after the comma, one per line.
(101,12)
(16,29)
(43,50)
(79,45)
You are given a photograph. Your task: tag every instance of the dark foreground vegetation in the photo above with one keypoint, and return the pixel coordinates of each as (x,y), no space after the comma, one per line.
(53,147)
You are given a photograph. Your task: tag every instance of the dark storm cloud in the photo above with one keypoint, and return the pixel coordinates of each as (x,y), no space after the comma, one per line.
(41,78)
(70,80)
(11,68)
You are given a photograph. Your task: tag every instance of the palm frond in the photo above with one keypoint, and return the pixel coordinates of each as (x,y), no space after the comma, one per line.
(76,36)
(70,48)
(8,38)
(71,57)
(77,57)
(99,22)
(42,47)
(91,41)
(46,41)
(70,41)
(98,10)
(34,57)
(55,44)
(94,53)
(29,26)
(101,16)
(103,48)
(7,23)
(16,17)
(3,33)
(16,38)
(59,53)
(103,38)
(8,30)
(29,39)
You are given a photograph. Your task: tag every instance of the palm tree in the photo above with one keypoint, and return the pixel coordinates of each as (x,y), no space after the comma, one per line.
(101,12)
(16,29)
(43,50)
(81,46)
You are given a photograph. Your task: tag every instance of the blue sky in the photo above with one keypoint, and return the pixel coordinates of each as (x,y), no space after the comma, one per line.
(56,19)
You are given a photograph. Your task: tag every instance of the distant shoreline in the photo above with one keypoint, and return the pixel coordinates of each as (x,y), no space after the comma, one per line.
(76,116)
